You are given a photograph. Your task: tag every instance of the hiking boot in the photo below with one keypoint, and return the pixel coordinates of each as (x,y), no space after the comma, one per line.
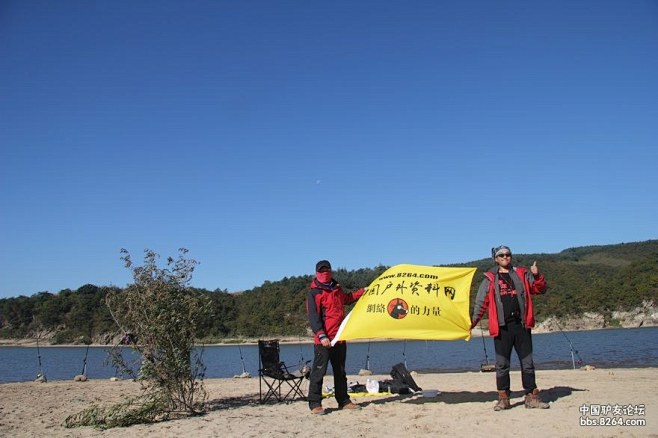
(350,406)
(318,411)
(532,401)
(503,401)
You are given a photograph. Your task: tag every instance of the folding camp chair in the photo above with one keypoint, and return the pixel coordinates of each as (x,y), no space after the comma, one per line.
(275,375)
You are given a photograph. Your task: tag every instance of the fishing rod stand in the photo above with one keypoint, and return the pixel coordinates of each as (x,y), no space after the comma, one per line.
(573,359)
(573,351)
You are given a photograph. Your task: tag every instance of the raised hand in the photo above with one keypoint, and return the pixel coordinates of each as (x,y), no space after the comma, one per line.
(534,269)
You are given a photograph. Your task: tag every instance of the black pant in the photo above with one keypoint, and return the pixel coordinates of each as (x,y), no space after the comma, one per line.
(514,335)
(336,355)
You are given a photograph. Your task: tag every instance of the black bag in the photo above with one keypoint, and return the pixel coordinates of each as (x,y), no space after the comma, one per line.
(385,385)
(357,387)
(394,387)
(402,375)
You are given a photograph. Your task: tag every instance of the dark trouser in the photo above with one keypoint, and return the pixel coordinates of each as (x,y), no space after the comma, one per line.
(336,355)
(514,335)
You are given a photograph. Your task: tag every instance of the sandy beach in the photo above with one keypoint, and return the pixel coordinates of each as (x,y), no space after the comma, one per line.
(462,408)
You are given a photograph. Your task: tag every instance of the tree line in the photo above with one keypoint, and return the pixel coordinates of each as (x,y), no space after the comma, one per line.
(598,279)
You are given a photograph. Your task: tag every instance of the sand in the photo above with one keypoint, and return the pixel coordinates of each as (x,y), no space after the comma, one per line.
(464,407)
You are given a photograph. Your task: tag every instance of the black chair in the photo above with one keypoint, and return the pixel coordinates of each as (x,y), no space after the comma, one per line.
(280,383)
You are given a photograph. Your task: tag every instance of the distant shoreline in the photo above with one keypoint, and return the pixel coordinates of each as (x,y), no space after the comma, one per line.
(476,333)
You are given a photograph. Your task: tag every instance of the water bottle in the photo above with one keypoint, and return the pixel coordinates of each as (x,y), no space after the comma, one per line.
(372,386)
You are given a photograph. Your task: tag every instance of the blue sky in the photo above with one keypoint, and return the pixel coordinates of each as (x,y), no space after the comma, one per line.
(266,135)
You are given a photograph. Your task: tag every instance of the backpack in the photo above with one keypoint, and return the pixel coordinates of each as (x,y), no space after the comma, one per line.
(401,375)
(393,386)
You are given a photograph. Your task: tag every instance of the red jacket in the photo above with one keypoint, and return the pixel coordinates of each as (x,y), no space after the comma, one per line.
(488,293)
(325,305)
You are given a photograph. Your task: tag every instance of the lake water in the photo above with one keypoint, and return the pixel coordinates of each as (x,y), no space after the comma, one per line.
(600,348)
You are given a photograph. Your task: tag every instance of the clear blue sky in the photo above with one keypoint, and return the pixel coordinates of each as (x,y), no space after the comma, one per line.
(266,135)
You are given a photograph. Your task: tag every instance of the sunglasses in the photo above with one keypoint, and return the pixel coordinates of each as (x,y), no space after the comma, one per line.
(504,255)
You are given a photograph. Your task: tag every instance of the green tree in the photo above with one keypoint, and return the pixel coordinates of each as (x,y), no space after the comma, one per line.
(162,313)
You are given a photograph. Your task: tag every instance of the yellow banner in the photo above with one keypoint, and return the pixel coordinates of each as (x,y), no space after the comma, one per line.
(412,302)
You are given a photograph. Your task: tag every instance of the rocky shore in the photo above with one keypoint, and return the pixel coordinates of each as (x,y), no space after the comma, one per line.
(644,316)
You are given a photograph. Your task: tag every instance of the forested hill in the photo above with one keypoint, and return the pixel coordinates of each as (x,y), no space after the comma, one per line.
(598,280)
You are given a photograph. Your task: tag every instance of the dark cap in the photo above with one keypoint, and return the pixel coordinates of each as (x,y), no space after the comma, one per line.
(322,264)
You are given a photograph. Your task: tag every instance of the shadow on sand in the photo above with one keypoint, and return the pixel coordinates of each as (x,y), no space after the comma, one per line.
(449,397)
(548,395)
(232,402)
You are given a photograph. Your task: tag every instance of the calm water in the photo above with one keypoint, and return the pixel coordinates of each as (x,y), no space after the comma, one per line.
(600,348)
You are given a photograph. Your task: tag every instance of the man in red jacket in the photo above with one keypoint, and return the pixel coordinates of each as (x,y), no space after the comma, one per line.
(325,304)
(506,291)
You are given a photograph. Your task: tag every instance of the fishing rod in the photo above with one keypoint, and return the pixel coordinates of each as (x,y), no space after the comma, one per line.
(245,374)
(368,357)
(84,362)
(40,375)
(486,366)
(366,371)
(304,367)
(404,357)
(302,362)
(572,349)
(244,370)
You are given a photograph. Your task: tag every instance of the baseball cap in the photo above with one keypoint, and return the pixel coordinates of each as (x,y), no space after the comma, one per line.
(322,264)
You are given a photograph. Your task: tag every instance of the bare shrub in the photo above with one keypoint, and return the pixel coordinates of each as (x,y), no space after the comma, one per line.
(161,314)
